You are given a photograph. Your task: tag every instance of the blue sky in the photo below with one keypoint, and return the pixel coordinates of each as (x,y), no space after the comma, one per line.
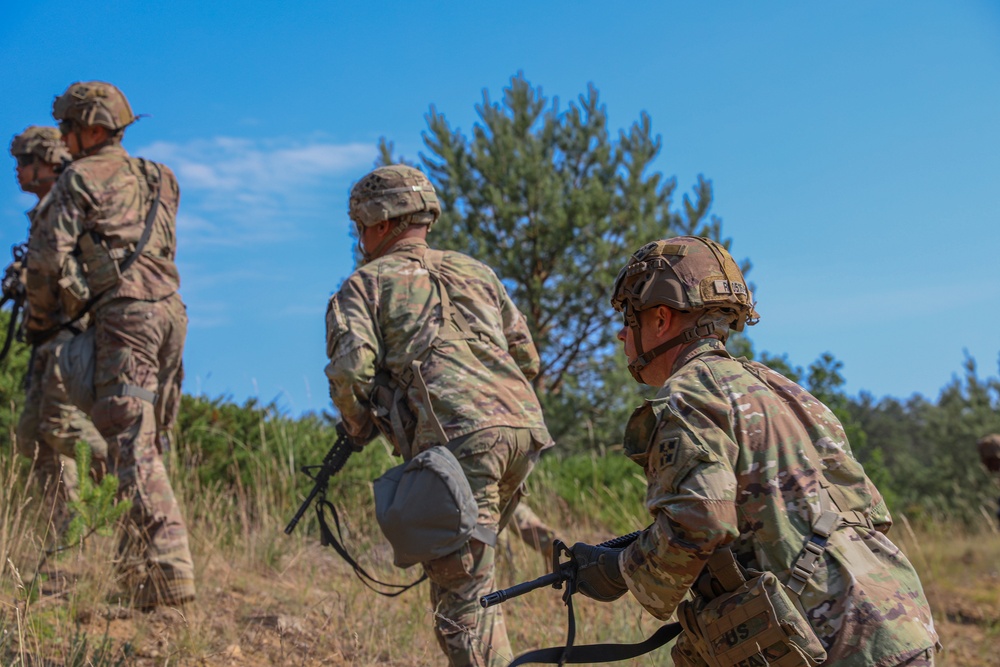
(854,148)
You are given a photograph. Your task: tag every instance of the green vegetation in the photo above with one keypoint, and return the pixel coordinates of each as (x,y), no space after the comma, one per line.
(555,200)
(554,203)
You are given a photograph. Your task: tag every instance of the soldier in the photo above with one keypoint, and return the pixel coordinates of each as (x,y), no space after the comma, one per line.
(752,476)
(441,330)
(989,454)
(533,531)
(49,425)
(108,250)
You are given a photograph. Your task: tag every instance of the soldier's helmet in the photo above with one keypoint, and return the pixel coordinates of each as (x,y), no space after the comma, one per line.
(45,143)
(94,103)
(687,273)
(394,192)
(989,451)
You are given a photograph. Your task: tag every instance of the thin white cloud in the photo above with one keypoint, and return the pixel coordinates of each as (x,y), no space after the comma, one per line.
(241,191)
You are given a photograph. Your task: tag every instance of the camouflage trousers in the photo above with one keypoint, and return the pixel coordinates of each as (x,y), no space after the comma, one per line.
(533,531)
(137,376)
(496,462)
(50,426)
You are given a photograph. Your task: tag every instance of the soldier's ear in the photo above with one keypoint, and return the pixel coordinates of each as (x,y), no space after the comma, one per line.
(663,318)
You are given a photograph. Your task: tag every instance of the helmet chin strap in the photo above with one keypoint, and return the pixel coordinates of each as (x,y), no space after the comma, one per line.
(36,183)
(643,359)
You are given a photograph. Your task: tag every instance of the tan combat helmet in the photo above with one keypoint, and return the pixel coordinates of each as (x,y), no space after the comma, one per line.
(93,103)
(989,451)
(396,193)
(43,143)
(686,273)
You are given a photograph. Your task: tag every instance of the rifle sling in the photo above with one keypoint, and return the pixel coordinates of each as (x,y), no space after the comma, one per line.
(598,653)
(11,326)
(327,539)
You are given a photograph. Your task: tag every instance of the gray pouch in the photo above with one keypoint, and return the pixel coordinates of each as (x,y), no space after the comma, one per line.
(426,509)
(76,366)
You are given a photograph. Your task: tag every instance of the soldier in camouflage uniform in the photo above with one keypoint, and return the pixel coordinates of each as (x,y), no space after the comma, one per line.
(989,454)
(739,457)
(428,347)
(533,531)
(108,250)
(49,425)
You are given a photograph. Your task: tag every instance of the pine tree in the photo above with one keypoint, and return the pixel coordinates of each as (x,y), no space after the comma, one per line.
(555,203)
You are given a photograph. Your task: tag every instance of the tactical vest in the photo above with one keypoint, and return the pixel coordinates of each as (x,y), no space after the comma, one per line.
(744,618)
(103,265)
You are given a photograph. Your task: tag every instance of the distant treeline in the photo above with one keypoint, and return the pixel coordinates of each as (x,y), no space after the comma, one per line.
(920,453)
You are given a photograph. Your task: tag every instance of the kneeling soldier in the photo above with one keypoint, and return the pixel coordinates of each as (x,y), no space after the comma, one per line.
(759,507)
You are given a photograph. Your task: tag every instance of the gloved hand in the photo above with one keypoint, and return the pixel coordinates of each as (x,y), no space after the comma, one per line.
(598,575)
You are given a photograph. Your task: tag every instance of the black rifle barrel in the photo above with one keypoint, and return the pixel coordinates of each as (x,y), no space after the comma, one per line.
(564,573)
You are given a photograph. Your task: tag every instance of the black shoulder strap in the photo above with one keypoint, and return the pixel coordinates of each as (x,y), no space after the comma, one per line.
(154,208)
(598,653)
(327,539)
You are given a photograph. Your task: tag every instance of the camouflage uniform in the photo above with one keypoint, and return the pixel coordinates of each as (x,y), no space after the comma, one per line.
(49,426)
(533,531)
(140,325)
(735,457)
(387,315)
(726,446)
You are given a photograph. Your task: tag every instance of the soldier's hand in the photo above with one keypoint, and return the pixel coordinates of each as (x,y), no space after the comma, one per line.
(598,575)
(12,280)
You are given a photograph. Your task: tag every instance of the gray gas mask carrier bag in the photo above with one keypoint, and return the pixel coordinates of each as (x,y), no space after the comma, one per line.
(426,509)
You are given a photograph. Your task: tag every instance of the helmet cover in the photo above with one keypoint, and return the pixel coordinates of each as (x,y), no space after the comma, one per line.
(686,273)
(94,103)
(45,143)
(394,192)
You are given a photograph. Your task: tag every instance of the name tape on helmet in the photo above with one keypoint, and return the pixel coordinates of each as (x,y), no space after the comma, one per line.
(723,287)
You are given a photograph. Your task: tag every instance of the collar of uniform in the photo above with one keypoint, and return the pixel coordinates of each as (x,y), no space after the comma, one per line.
(698,348)
(111,149)
(406,244)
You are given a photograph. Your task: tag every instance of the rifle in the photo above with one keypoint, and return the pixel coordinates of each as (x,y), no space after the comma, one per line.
(13,291)
(333,462)
(565,571)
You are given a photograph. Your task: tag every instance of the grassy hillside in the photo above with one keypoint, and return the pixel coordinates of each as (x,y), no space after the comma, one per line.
(269,599)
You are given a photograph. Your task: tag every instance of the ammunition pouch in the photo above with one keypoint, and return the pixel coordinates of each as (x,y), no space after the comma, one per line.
(392,414)
(100,263)
(754,622)
(426,508)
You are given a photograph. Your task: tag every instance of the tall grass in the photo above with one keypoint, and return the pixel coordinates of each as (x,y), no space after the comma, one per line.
(267,598)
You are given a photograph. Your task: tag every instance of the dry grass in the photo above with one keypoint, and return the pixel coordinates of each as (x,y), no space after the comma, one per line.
(269,599)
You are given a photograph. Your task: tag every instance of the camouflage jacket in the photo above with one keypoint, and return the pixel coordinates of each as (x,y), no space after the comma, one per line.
(733,454)
(106,195)
(388,314)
